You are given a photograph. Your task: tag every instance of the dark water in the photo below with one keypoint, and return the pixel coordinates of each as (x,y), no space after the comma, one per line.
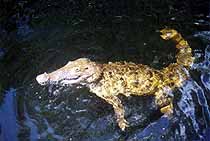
(32,112)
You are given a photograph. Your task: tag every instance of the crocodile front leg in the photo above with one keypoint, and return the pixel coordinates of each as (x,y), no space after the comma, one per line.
(119,110)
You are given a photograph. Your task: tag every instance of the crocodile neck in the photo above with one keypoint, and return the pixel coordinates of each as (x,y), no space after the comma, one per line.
(95,79)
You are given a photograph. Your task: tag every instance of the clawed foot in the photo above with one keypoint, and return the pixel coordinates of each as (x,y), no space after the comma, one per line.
(168,110)
(123,124)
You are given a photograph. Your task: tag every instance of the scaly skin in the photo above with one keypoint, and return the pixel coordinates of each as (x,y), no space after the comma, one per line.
(109,80)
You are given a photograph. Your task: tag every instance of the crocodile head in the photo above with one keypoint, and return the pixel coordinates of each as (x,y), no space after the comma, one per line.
(168,34)
(81,71)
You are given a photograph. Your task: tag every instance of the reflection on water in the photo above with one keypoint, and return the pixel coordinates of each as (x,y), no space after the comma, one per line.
(155,130)
(8,114)
(35,134)
(32,126)
(50,131)
(204,35)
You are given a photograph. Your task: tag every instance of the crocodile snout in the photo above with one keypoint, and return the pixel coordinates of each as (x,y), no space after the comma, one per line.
(42,79)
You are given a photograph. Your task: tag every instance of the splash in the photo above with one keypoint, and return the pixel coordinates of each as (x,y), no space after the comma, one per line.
(188,105)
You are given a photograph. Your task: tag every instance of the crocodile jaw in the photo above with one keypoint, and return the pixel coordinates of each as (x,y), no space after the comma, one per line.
(79,72)
(58,78)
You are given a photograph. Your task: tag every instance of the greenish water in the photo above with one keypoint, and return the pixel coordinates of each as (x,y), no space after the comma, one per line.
(64,113)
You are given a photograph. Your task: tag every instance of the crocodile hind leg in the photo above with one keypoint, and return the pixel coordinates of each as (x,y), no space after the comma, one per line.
(168,110)
(119,110)
(164,101)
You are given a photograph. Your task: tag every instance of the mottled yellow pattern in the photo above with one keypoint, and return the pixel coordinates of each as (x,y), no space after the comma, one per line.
(126,78)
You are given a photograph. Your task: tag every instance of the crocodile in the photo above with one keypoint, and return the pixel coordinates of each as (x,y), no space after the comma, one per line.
(108,80)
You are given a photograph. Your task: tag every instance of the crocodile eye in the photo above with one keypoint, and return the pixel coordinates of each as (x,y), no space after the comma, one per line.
(77,69)
(86,68)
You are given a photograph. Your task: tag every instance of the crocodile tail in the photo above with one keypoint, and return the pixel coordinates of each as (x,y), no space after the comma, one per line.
(184,56)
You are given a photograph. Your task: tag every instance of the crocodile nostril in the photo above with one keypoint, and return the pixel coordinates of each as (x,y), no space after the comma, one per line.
(44,83)
(42,78)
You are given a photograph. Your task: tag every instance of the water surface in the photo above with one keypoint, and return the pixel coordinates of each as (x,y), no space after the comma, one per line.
(56,113)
